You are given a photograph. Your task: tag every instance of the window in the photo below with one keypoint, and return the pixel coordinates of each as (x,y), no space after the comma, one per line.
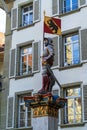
(73,110)
(27,15)
(26,60)
(24,113)
(69,5)
(71,49)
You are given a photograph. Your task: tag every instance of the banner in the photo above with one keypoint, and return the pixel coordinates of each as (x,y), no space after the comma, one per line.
(52,25)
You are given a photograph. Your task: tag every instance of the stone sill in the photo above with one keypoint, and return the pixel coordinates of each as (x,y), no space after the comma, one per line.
(69,13)
(71,125)
(23,27)
(23,76)
(70,66)
(23,128)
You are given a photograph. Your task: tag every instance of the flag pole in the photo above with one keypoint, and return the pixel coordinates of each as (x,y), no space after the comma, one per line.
(43,28)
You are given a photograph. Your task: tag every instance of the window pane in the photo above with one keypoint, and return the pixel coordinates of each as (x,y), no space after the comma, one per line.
(76,53)
(25,19)
(73,108)
(71,50)
(74,4)
(24,113)
(68,55)
(78,106)
(71,119)
(25,9)
(31,18)
(30,7)
(66,5)
(22,123)
(73,92)
(27,15)
(29,115)
(26,60)
(78,118)
(70,5)
(24,64)
(28,122)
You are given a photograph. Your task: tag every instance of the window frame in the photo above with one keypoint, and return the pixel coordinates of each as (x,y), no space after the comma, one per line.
(35,58)
(65,63)
(73,97)
(16,107)
(28,12)
(70,6)
(26,110)
(22,55)
(18,59)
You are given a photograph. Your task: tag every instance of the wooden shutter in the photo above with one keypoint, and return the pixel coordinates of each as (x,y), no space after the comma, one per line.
(16,112)
(54,7)
(84,45)
(18,61)
(60,6)
(12,63)
(36,10)
(82,2)
(85,102)
(61,51)
(62,110)
(36,57)
(10,115)
(14,19)
(19,16)
(55,43)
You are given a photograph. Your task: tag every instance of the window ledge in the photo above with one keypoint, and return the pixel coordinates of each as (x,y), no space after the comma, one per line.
(71,66)
(72,125)
(23,27)
(24,128)
(69,13)
(23,76)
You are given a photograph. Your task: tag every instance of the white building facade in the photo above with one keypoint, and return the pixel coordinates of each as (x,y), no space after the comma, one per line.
(70,63)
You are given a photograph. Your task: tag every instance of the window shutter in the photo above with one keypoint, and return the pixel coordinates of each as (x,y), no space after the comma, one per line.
(54,7)
(36,57)
(16,112)
(14,18)
(55,43)
(85,102)
(82,2)
(61,51)
(60,6)
(62,110)
(19,17)
(84,44)
(17,61)
(12,63)
(36,10)
(10,115)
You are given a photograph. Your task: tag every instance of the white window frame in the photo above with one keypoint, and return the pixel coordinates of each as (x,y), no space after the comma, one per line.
(73,97)
(27,72)
(26,112)
(28,12)
(69,7)
(71,43)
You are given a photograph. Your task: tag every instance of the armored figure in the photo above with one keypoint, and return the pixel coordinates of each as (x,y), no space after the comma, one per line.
(47,62)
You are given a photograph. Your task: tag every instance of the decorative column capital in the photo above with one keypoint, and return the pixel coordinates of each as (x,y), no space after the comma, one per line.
(45,104)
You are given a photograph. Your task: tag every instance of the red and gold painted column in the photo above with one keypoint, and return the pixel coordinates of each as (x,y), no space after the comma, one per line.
(45,110)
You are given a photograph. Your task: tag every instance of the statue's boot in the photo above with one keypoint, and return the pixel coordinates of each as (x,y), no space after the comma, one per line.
(45,84)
